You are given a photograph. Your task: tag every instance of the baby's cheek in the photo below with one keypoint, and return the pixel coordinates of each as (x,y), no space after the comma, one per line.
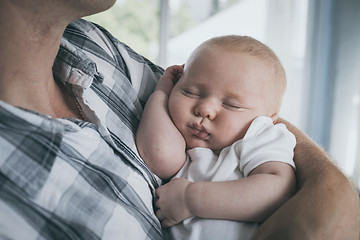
(238,131)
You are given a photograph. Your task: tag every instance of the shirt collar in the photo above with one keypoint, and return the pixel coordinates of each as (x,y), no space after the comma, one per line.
(73,66)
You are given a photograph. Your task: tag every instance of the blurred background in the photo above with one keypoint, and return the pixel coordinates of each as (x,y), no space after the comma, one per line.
(317,41)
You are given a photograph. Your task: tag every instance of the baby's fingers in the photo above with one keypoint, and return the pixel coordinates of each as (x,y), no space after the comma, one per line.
(160,215)
(175,71)
(169,78)
(167,223)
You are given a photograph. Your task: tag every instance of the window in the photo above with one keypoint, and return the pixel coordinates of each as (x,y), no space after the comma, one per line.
(344,78)
(316,41)
(128,22)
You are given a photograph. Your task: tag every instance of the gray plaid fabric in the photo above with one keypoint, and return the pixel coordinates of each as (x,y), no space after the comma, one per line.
(71,179)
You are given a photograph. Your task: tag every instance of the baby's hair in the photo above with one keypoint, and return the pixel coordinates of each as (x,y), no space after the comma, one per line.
(252,47)
(244,44)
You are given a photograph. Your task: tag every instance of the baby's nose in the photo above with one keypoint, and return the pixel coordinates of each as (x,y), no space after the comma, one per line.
(207,109)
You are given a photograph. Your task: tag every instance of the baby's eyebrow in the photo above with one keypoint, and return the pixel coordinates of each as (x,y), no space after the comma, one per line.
(233,95)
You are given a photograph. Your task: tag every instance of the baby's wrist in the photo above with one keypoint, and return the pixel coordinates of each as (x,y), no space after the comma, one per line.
(192,198)
(161,92)
(166,88)
(166,85)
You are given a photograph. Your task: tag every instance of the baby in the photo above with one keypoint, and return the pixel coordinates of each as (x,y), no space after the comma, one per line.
(210,125)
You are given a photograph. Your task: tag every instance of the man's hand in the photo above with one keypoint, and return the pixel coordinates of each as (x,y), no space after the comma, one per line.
(326,205)
(171,203)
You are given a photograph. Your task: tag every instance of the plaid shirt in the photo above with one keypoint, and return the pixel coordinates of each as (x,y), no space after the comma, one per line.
(71,179)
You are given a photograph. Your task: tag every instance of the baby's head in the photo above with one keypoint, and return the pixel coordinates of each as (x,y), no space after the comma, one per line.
(227,82)
(264,57)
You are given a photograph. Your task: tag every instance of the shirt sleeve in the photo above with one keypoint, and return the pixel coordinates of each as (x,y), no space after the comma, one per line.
(265,142)
(142,73)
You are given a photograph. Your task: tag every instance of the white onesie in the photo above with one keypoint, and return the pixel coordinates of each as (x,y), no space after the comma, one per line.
(263,142)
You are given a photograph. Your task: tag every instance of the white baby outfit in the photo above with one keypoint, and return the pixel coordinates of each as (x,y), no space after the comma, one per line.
(263,142)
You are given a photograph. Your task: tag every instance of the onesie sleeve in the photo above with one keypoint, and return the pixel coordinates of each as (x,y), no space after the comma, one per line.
(265,142)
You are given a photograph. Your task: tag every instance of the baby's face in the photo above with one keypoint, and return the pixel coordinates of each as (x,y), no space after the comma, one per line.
(218,96)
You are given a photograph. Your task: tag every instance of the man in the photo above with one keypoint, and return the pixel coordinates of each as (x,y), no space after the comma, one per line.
(69,111)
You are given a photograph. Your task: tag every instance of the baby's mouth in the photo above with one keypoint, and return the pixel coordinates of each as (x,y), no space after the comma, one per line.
(199,131)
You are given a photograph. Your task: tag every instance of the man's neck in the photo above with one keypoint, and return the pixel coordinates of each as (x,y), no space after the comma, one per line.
(28,47)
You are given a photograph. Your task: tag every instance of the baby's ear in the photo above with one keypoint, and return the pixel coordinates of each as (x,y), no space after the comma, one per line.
(274,117)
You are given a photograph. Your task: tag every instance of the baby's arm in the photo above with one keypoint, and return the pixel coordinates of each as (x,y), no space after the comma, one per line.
(265,153)
(158,141)
(250,199)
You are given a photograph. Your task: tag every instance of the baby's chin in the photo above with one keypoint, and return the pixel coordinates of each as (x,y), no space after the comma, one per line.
(216,151)
(196,145)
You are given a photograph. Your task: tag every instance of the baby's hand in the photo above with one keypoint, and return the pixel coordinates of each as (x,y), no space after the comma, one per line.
(170,78)
(171,203)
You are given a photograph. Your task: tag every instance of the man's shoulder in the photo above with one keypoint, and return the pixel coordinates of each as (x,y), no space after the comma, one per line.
(82,30)
(81,25)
